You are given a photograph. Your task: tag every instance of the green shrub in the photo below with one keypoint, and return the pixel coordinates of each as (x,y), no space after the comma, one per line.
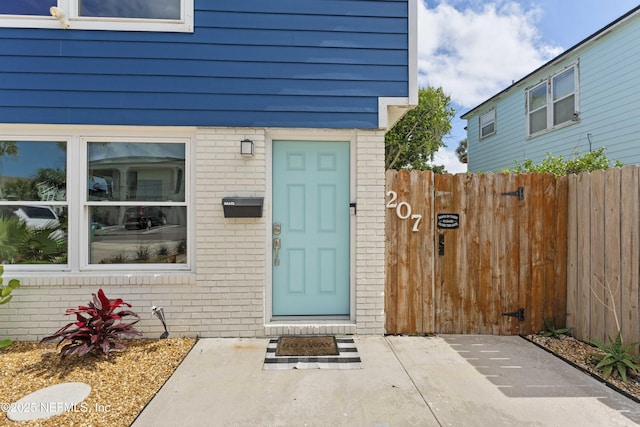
(552,331)
(98,328)
(559,166)
(616,356)
(5,297)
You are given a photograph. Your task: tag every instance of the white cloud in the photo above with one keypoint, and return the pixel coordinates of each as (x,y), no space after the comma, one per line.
(474,49)
(449,159)
(474,53)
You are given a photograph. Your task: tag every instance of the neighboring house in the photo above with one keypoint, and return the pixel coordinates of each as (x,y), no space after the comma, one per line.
(144,109)
(585,98)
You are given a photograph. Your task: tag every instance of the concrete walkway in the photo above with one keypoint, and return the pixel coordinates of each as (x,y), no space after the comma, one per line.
(449,380)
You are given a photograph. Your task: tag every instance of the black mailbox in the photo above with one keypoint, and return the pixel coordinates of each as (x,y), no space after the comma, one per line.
(242,207)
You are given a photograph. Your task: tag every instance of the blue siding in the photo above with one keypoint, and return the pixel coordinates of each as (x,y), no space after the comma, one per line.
(312,63)
(609,95)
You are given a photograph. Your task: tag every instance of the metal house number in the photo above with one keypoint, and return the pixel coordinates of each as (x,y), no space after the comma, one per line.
(403,209)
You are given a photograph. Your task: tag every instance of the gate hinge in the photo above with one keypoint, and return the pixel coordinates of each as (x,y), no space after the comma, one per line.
(519,313)
(518,193)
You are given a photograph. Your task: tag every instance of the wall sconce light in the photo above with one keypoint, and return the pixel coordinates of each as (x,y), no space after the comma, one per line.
(246,148)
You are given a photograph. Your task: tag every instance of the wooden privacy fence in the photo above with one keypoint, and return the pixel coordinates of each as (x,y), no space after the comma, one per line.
(603,253)
(475,253)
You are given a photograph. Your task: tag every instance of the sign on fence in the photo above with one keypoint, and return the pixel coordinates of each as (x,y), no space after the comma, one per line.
(448,220)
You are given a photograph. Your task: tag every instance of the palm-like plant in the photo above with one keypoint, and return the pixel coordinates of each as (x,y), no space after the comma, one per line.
(21,244)
(616,356)
(552,331)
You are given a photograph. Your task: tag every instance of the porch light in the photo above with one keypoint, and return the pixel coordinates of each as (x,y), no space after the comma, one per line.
(246,148)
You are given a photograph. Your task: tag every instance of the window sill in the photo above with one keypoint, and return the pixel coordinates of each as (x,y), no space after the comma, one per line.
(107,279)
(546,131)
(11,21)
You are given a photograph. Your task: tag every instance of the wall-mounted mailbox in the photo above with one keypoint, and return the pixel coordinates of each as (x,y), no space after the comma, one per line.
(242,207)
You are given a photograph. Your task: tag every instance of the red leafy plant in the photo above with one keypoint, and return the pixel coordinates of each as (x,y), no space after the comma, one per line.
(98,327)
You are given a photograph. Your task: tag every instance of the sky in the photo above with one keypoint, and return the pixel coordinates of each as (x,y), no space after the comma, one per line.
(474,49)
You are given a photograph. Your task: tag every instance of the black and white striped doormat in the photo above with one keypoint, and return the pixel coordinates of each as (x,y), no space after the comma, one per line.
(347,359)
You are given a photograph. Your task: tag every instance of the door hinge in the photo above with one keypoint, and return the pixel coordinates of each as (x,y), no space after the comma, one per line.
(519,193)
(519,313)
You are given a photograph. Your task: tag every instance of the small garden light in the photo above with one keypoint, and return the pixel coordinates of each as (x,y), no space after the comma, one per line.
(159,313)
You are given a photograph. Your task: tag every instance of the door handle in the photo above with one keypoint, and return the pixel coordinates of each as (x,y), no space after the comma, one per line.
(276,248)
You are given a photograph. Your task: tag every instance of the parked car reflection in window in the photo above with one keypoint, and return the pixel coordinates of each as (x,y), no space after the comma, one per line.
(143,217)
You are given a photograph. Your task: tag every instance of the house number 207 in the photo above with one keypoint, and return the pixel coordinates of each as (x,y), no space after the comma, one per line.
(403,209)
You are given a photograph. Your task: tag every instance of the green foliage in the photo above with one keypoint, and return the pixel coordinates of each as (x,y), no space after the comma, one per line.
(20,244)
(616,356)
(559,166)
(552,331)
(5,297)
(413,141)
(5,290)
(9,148)
(461,151)
(27,188)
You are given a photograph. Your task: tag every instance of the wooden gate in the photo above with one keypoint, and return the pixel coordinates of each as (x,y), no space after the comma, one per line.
(474,253)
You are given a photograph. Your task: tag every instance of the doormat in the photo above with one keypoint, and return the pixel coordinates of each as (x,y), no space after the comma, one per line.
(307,346)
(347,358)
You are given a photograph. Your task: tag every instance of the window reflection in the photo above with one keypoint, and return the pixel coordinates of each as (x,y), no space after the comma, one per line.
(32,229)
(136,171)
(33,234)
(145,9)
(138,234)
(26,7)
(151,230)
(33,171)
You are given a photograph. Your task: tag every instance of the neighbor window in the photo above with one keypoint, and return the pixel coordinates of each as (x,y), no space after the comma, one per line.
(127,15)
(488,123)
(553,102)
(128,210)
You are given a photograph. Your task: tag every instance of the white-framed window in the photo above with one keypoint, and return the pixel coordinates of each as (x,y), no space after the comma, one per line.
(488,123)
(95,203)
(34,209)
(119,15)
(554,102)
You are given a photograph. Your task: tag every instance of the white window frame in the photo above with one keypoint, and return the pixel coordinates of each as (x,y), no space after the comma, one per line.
(69,19)
(491,114)
(61,203)
(78,206)
(86,205)
(550,102)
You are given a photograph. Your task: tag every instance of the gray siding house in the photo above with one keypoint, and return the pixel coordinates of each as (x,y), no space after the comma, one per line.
(584,99)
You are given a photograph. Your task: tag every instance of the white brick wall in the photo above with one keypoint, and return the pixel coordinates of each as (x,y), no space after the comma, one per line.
(226,295)
(370,238)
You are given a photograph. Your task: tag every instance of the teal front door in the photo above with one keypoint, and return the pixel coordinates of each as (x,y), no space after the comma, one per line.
(310,230)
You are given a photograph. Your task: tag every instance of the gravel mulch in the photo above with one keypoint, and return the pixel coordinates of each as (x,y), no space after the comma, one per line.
(579,353)
(121,385)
